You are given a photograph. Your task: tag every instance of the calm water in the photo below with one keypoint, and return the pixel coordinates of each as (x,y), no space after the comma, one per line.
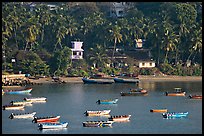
(70,101)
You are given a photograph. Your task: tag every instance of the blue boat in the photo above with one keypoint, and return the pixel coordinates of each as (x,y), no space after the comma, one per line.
(174,114)
(24,91)
(126,80)
(97,81)
(107,101)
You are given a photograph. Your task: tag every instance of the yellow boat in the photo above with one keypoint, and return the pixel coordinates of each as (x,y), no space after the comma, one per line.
(158,110)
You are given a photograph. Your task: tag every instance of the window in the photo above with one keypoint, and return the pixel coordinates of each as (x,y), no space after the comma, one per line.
(150,64)
(74,53)
(143,64)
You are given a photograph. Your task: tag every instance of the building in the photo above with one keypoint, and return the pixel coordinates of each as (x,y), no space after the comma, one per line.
(77,51)
(118,9)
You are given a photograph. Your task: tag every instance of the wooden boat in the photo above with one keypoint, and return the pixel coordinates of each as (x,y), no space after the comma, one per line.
(53,125)
(46,119)
(159,110)
(195,96)
(126,80)
(97,113)
(97,123)
(107,101)
(174,114)
(27,90)
(36,99)
(120,118)
(21,102)
(97,81)
(13,107)
(177,92)
(22,115)
(135,92)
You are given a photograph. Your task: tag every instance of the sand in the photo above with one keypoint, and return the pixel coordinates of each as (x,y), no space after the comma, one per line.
(141,77)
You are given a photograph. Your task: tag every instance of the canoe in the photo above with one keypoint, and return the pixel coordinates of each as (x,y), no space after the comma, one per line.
(22,115)
(46,119)
(36,99)
(126,80)
(97,123)
(120,118)
(174,114)
(195,96)
(176,92)
(159,110)
(53,125)
(97,81)
(13,107)
(21,102)
(27,90)
(107,101)
(97,113)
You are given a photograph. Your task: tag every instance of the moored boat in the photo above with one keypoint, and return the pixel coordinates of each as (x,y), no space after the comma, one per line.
(21,102)
(126,80)
(195,96)
(97,123)
(36,99)
(97,81)
(177,92)
(23,91)
(22,115)
(13,107)
(120,118)
(159,110)
(97,113)
(134,92)
(46,119)
(53,125)
(108,101)
(174,114)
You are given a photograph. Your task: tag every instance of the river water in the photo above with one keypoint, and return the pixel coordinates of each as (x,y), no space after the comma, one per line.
(71,100)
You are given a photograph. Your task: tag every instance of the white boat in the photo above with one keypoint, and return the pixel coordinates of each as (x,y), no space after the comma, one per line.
(120,118)
(13,107)
(36,99)
(24,102)
(97,113)
(22,115)
(52,125)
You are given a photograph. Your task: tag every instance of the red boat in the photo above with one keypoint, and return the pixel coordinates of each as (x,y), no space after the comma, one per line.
(46,119)
(195,96)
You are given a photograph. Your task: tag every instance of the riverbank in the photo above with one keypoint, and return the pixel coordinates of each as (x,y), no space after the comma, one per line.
(141,77)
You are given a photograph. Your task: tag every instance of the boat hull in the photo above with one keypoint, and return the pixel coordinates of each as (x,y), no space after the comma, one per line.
(195,96)
(97,113)
(159,110)
(175,115)
(133,93)
(19,116)
(175,94)
(121,80)
(46,119)
(121,118)
(97,81)
(13,107)
(107,101)
(50,125)
(28,90)
(36,99)
(97,124)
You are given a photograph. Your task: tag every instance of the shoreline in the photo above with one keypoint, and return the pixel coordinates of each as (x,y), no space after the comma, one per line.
(141,78)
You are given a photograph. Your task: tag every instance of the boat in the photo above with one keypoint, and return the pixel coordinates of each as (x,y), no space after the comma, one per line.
(21,102)
(46,119)
(174,114)
(195,96)
(159,110)
(53,125)
(107,101)
(126,80)
(36,99)
(120,118)
(177,92)
(97,81)
(22,115)
(97,123)
(97,113)
(24,91)
(135,92)
(13,107)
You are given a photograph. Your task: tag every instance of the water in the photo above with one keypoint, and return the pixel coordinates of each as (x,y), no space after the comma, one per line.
(70,101)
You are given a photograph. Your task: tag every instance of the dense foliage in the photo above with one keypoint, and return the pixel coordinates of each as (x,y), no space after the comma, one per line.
(40,39)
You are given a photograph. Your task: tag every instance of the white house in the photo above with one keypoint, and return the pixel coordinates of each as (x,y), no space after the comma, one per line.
(146,64)
(77,51)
